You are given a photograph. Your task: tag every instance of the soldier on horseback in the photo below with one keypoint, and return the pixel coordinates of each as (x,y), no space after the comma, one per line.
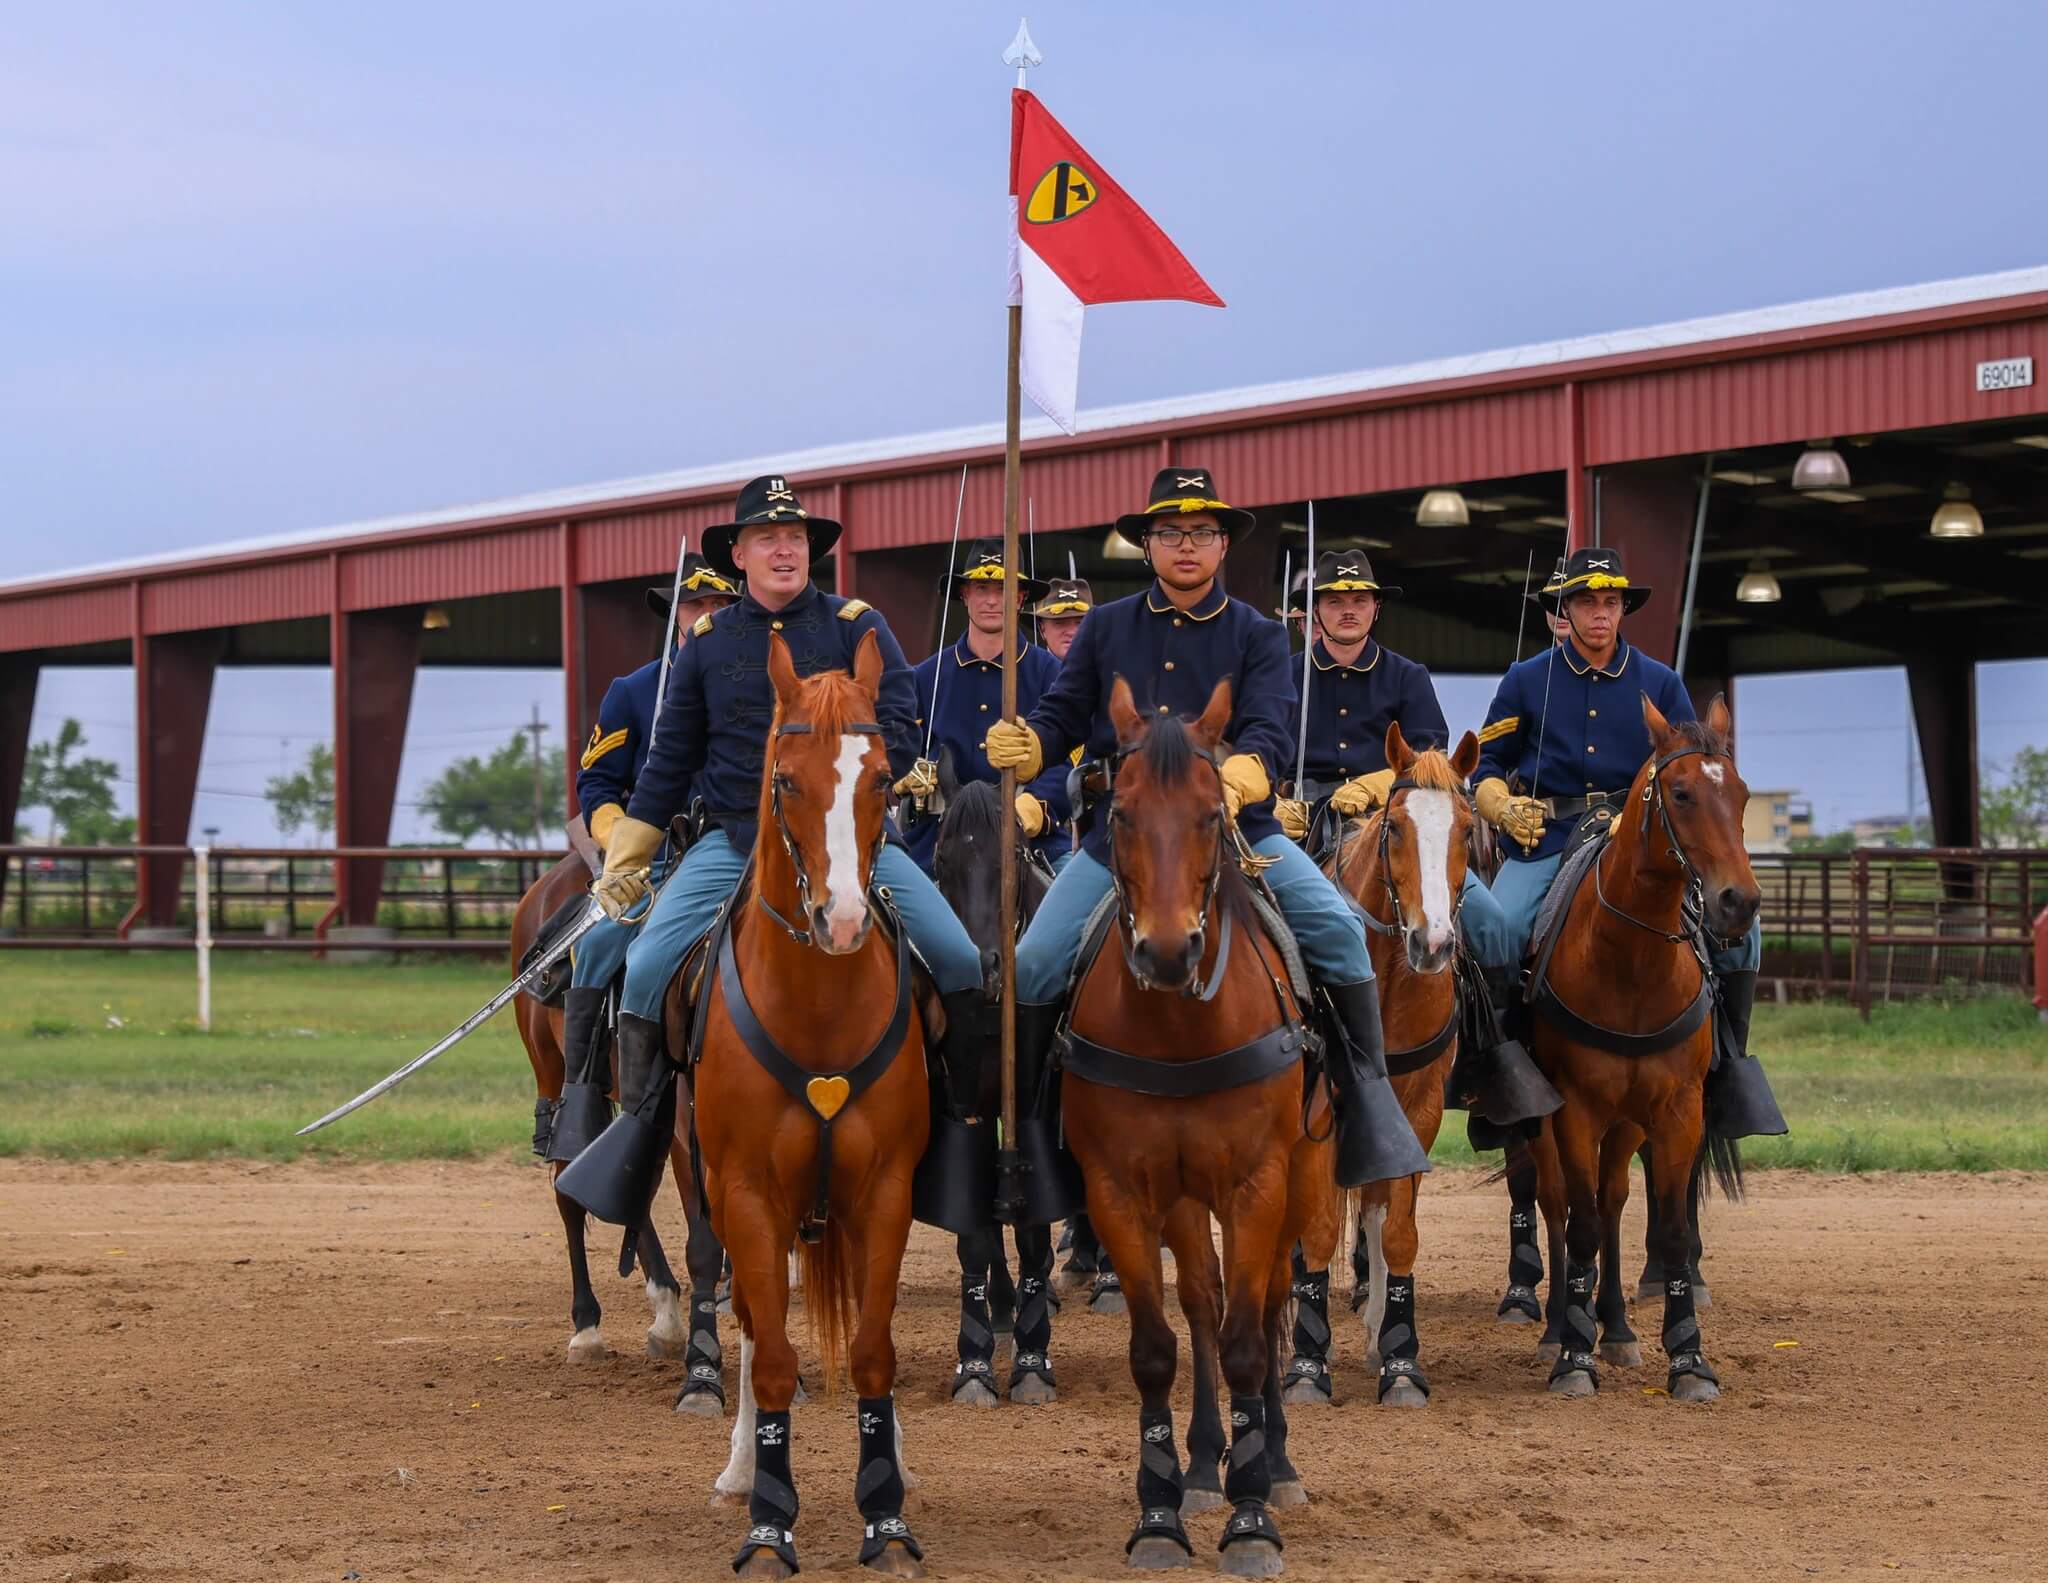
(1172,644)
(709,756)
(1060,612)
(1569,721)
(1358,687)
(610,767)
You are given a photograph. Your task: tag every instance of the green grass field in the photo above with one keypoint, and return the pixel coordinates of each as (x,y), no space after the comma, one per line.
(100,1056)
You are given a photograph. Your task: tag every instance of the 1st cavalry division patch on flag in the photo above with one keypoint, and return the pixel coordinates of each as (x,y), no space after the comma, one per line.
(1061,193)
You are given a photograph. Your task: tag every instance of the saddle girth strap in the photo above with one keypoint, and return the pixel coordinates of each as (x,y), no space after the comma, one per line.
(1270,1053)
(1568,1022)
(824,1094)
(1401,1062)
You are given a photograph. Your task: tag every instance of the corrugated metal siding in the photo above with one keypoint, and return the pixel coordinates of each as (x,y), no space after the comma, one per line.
(464,568)
(232,597)
(52,621)
(643,543)
(1909,382)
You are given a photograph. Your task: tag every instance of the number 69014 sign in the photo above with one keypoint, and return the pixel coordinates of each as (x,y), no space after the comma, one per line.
(2006,373)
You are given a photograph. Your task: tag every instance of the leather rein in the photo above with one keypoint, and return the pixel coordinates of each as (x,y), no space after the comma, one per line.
(1400,1062)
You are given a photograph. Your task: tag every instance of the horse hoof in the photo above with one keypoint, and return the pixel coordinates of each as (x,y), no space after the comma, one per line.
(1305,1393)
(1110,1300)
(1547,1351)
(1251,1558)
(764,1564)
(1287,1492)
(1070,1282)
(1701,1297)
(1031,1391)
(666,1346)
(723,1498)
(1373,1360)
(1622,1354)
(799,1396)
(1575,1382)
(1201,1497)
(587,1346)
(701,1404)
(1155,1554)
(1405,1393)
(896,1562)
(1691,1388)
(975,1393)
(1513,1316)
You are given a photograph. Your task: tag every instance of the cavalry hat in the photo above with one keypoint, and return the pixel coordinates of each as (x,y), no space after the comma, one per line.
(1350,572)
(1550,583)
(1294,601)
(1593,566)
(1064,596)
(1179,491)
(984,564)
(764,501)
(700,581)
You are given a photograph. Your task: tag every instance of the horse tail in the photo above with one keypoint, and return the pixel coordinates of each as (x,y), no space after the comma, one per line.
(828,1297)
(1722,1157)
(1513,1158)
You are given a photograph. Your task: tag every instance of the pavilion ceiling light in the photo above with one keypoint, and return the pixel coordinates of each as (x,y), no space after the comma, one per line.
(1115,547)
(1820,466)
(1836,497)
(435,620)
(1442,508)
(1758,587)
(2038,441)
(1955,517)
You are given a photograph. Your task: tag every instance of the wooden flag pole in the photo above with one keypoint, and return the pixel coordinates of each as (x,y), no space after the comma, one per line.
(1010,1206)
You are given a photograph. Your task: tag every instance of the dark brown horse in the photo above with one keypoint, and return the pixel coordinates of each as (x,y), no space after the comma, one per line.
(1164,1145)
(1405,867)
(813,1106)
(1622,1031)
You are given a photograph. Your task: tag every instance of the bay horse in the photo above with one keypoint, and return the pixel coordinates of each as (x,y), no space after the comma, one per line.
(540,1030)
(813,1105)
(1405,867)
(1183,1098)
(966,868)
(1622,1027)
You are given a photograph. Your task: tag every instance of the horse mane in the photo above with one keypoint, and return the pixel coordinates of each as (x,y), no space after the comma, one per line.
(835,701)
(1432,771)
(1698,734)
(977,807)
(1168,749)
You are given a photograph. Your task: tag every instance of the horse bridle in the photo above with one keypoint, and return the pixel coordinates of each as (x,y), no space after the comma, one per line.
(796,860)
(1399,925)
(1693,901)
(1127,920)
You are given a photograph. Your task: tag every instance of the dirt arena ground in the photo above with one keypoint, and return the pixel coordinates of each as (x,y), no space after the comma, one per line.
(306,1372)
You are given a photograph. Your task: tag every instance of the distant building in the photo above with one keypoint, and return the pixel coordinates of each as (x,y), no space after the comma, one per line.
(1880,830)
(1774,819)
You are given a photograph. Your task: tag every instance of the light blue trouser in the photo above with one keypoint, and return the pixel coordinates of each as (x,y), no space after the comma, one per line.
(1331,937)
(1484,925)
(1521,885)
(1059,864)
(600,954)
(707,875)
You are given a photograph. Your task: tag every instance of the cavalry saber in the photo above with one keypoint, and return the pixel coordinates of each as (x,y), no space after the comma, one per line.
(668,640)
(1308,651)
(931,720)
(593,915)
(1522,621)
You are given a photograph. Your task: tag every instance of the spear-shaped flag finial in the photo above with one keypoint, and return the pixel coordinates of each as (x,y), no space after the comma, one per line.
(1022,53)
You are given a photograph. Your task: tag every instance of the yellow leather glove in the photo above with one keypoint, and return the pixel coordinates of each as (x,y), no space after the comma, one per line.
(600,823)
(626,858)
(1520,817)
(1244,782)
(922,780)
(1363,793)
(1292,813)
(1012,745)
(1031,815)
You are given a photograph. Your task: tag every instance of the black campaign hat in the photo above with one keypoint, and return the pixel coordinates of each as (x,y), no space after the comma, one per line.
(983,563)
(700,581)
(1181,491)
(766,500)
(1350,572)
(1593,566)
(1064,596)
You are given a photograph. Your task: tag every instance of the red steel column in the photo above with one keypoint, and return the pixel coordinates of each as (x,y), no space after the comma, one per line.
(375,654)
(18,674)
(1646,512)
(173,690)
(572,659)
(615,633)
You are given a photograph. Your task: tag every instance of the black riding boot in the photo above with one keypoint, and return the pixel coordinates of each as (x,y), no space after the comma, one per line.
(954,1188)
(586,1107)
(1740,1103)
(616,1176)
(1038,1182)
(1493,1076)
(1375,1143)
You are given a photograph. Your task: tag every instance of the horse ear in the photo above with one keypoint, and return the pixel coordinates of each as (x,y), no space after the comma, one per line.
(782,672)
(1123,714)
(949,780)
(1719,721)
(1466,759)
(1400,757)
(867,664)
(1215,718)
(1660,728)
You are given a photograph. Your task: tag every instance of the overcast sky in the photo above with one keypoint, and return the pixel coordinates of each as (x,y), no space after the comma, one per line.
(276,267)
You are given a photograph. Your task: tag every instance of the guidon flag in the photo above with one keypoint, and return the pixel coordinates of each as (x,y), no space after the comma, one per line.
(1076,239)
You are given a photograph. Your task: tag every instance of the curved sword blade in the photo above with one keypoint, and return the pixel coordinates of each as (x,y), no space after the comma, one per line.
(593,915)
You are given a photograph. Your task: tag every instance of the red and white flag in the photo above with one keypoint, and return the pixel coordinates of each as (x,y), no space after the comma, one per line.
(1076,238)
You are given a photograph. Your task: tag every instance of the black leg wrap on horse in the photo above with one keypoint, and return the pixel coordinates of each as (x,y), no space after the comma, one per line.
(1248,1477)
(1682,1333)
(771,1508)
(1032,1335)
(544,1124)
(977,1338)
(1159,1483)
(1311,1362)
(1250,1520)
(1399,1344)
(1107,1282)
(1525,1265)
(1577,1354)
(1084,1252)
(704,1362)
(878,1487)
(1375,1142)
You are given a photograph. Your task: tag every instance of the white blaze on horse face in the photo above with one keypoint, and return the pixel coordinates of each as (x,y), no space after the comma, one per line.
(1432,815)
(1713,772)
(846,903)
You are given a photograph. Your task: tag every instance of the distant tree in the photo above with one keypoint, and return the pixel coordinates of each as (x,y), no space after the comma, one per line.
(1918,833)
(306,796)
(76,788)
(500,796)
(2015,812)
(1833,841)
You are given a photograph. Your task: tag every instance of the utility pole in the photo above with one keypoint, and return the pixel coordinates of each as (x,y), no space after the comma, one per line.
(536,725)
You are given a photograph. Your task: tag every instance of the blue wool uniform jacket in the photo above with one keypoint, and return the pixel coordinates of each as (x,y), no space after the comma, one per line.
(1350,707)
(1596,739)
(970,699)
(1172,660)
(712,742)
(618,742)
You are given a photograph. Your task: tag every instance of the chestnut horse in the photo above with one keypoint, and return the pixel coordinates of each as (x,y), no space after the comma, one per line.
(1163,1149)
(1626,964)
(540,1030)
(1405,867)
(813,1106)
